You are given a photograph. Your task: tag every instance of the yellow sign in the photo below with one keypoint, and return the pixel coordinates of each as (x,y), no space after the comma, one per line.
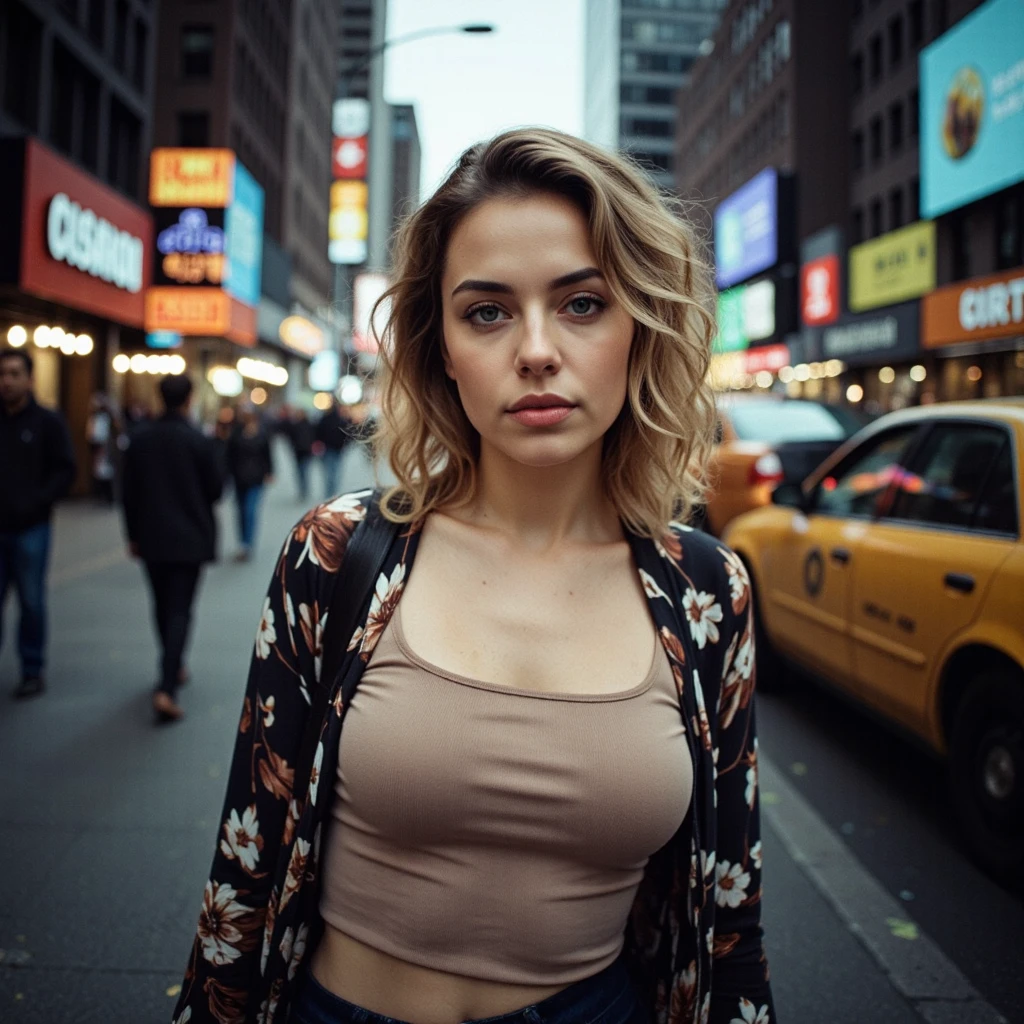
(893,268)
(194,267)
(301,335)
(348,222)
(188,310)
(191,177)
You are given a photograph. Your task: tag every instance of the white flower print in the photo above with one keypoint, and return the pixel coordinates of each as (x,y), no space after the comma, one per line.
(298,950)
(266,635)
(296,869)
(385,598)
(242,840)
(731,883)
(289,609)
(707,862)
(703,613)
(702,722)
(267,707)
(750,1014)
(287,941)
(218,932)
(313,634)
(757,854)
(739,580)
(651,588)
(314,782)
(705,1010)
(751,792)
(186,1016)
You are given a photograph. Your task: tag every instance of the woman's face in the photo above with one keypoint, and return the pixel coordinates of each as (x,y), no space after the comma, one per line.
(529,321)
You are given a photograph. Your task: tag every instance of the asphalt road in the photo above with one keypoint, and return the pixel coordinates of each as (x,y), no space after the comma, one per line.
(107,823)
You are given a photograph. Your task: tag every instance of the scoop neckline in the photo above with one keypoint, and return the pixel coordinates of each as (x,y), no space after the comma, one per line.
(517,691)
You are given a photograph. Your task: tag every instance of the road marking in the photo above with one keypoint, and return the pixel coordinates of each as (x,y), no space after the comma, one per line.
(104,560)
(917,969)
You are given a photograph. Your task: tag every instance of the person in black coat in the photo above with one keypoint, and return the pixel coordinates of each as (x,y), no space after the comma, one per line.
(251,467)
(172,480)
(302,436)
(333,434)
(37,467)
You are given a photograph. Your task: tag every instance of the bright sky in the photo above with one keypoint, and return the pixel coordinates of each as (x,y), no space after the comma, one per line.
(470,87)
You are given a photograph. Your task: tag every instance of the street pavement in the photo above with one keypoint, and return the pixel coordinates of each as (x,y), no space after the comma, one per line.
(108,822)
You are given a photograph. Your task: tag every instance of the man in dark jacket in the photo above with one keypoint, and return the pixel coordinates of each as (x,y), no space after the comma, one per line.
(333,433)
(171,480)
(37,467)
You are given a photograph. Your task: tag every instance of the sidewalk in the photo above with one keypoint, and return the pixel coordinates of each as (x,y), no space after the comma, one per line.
(107,823)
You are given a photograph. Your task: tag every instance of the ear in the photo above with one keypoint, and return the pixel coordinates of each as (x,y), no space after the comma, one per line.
(448,368)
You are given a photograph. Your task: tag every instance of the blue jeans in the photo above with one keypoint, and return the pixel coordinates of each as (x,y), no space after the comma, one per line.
(24,556)
(248,506)
(606,998)
(332,468)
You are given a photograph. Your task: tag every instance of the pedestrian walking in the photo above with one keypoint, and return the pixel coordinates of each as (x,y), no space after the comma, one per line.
(101,432)
(37,468)
(545,805)
(171,481)
(302,437)
(333,434)
(251,467)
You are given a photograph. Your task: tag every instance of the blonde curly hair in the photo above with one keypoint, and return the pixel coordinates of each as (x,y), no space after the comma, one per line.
(656,452)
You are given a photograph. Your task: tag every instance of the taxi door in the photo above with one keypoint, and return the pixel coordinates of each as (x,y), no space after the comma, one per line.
(808,572)
(924,568)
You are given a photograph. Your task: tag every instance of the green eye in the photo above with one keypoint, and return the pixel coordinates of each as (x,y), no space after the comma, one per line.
(488,314)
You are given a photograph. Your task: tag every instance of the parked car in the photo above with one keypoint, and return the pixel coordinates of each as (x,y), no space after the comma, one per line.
(896,572)
(765,440)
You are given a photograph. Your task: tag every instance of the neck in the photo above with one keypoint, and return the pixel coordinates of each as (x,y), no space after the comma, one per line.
(542,507)
(13,408)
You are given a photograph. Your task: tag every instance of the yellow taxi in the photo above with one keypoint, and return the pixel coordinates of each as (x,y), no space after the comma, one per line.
(896,572)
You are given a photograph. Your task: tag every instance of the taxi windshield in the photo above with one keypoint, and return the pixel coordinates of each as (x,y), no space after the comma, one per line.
(786,422)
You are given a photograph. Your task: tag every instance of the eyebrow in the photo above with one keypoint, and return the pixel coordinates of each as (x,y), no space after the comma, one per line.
(506,289)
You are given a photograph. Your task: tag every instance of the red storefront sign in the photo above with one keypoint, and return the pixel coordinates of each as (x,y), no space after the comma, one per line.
(769,357)
(349,157)
(82,244)
(819,291)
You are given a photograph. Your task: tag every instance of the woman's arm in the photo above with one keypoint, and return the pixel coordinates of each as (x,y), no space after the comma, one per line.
(225,962)
(739,987)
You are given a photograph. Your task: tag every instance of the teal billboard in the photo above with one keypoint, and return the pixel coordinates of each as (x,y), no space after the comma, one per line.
(243,230)
(972,108)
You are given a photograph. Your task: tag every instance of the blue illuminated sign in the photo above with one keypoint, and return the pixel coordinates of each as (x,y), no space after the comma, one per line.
(163,339)
(244,228)
(972,108)
(193,233)
(747,230)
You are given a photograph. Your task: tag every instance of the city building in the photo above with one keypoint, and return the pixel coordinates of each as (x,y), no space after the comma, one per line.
(257,80)
(405,163)
(76,100)
(638,53)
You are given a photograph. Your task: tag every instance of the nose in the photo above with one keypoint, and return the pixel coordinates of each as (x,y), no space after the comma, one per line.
(538,352)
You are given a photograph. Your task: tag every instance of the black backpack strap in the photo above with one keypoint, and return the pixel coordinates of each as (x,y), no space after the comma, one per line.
(364,558)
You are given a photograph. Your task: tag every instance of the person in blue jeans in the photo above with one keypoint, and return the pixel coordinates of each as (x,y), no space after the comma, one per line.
(37,467)
(251,467)
(333,433)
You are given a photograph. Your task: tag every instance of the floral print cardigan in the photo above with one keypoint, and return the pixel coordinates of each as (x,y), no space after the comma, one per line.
(693,939)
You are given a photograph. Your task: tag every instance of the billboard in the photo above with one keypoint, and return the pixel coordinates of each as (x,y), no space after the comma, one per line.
(747,230)
(972,108)
(348,222)
(981,309)
(745,314)
(893,268)
(366,290)
(191,177)
(243,230)
(865,339)
(819,290)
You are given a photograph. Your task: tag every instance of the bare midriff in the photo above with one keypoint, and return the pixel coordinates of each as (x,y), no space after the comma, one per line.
(394,988)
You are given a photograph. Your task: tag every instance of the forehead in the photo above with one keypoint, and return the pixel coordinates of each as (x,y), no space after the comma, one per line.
(517,240)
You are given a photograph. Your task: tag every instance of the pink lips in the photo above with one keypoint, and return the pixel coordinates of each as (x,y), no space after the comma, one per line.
(542,417)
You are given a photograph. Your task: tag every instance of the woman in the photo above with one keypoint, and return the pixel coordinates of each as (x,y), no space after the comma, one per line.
(546,805)
(251,467)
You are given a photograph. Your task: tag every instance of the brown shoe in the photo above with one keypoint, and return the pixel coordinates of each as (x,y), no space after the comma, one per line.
(165,707)
(183,675)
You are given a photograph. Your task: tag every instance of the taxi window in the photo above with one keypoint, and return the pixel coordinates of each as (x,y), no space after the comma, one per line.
(783,422)
(949,475)
(997,510)
(858,485)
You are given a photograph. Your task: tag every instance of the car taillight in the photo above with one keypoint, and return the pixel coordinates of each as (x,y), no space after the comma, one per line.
(766,470)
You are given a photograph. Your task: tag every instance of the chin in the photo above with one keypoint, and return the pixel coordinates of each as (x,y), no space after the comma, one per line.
(543,452)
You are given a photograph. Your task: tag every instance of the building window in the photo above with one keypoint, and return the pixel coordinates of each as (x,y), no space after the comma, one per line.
(940,16)
(960,221)
(914,111)
(895,42)
(857,73)
(139,55)
(914,198)
(20,66)
(876,140)
(876,217)
(193,128)
(857,151)
(875,58)
(915,21)
(647,126)
(121,35)
(1010,230)
(123,150)
(97,22)
(857,227)
(197,51)
(895,209)
(644,94)
(896,127)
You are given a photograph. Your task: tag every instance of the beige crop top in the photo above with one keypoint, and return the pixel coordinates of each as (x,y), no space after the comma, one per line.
(493,832)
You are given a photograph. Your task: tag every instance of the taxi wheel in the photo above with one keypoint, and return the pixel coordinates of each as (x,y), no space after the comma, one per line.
(771,669)
(986,764)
